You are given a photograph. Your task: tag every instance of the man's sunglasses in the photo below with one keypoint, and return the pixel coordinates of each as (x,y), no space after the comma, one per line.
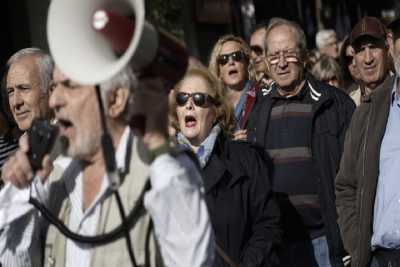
(199,99)
(258,50)
(237,56)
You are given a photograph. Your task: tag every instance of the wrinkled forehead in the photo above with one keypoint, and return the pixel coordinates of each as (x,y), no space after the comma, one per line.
(26,65)
(282,37)
(230,46)
(24,70)
(258,37)
(58,75)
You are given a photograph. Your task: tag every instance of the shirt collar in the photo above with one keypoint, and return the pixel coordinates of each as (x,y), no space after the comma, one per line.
(300,95)
(395,99)
(121,151)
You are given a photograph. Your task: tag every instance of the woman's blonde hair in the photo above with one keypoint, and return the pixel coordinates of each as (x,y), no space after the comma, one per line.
(223,111)
(216,51)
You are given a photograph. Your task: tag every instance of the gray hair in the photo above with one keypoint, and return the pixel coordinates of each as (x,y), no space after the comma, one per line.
(43,60)
(327,68)
(323,36)
(301,36)
(275,20)
(123,79)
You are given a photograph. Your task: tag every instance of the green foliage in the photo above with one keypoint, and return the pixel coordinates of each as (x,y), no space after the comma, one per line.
(167,14)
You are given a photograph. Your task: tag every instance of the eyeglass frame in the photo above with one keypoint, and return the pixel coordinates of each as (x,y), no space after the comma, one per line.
(288,56)
(258,50)
(207,99)
(243,56)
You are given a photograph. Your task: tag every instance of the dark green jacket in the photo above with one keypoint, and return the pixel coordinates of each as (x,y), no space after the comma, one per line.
(357,179)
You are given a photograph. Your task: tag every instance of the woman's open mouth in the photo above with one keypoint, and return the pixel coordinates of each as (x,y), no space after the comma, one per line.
(190,121)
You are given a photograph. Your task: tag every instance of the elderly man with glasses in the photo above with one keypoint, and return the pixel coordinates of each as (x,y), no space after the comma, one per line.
(300,123)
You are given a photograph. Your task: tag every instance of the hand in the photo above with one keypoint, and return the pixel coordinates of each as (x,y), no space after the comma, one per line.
(151,103)
(240,135)
(17,169)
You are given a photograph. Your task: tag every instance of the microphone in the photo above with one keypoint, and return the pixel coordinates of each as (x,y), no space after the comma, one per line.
(43,138)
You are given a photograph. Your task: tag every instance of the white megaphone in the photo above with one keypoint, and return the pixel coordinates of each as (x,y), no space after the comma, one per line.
(92,40)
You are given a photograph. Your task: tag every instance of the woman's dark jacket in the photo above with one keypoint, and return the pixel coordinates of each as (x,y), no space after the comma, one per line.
(244,216)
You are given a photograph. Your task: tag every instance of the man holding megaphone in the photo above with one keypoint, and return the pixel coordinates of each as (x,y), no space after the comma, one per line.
(81,196)
(140,205)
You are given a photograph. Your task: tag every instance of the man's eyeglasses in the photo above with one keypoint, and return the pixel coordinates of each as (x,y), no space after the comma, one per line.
(237,56)
(288,56)
(199,99)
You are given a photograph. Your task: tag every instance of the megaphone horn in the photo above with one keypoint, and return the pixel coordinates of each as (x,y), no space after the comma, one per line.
(91,53)
(117,29)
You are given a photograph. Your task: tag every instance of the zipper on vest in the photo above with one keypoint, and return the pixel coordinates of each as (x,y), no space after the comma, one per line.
(362,189)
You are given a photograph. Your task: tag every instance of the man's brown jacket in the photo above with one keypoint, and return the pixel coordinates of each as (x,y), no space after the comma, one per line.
(357,179)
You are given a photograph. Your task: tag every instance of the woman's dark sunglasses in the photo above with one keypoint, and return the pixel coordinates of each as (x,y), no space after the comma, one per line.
(237,56)
(199,99)
(258,50)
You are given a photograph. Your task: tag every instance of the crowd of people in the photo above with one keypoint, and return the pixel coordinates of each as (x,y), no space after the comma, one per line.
(272,155)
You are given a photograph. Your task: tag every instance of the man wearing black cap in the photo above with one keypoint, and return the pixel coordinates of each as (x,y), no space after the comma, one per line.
(368,39)
(367,195)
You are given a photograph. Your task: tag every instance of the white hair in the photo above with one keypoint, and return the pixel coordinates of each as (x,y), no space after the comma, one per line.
(124,79)
(323,36)
(43,60)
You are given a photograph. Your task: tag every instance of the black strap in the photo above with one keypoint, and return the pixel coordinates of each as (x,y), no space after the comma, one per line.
(147,244)
(98,240)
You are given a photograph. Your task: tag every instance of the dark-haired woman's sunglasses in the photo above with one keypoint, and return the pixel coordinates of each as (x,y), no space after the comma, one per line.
(199,99)
(237,56)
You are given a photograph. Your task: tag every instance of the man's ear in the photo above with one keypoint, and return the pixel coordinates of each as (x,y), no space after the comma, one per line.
(267,65)
(117,100)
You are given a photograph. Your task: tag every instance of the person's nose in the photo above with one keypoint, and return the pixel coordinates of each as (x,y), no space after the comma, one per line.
(17,100)
(189,104)
(56,99)
(254,56)
(369,57)
(282,63)
(231,61)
